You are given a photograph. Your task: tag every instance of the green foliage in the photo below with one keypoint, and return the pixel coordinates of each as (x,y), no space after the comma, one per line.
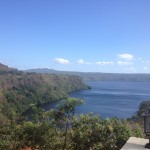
(92,132)
(57,129)
(19,90)
(62,129)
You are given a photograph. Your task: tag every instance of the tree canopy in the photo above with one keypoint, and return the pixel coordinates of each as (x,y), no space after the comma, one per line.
(62,129)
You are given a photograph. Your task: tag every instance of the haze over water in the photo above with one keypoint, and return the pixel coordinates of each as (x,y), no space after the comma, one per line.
(113,99)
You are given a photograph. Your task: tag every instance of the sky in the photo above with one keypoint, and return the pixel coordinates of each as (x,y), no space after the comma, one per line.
(76,35)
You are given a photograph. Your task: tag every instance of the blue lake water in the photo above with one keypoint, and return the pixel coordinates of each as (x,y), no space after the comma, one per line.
(113,99)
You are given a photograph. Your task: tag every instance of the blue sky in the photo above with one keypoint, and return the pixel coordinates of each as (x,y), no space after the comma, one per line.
(76,35)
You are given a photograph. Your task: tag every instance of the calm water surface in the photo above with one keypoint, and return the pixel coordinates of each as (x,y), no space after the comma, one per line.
(113,99)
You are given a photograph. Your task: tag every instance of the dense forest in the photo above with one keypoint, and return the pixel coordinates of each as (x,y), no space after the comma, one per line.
(18,89)
(59,128)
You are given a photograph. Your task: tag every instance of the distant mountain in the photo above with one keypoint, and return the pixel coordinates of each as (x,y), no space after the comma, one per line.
(42,70)
(51,71)
(95,76)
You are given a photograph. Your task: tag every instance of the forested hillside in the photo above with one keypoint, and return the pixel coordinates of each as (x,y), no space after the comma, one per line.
(56,129)
(18,90)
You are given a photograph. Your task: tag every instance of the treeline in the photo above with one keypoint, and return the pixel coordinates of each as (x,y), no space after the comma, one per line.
(18,90)
(62,129)
(97,76)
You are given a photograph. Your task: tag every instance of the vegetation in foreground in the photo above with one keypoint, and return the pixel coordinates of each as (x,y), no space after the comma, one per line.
(57,129)
(62,129)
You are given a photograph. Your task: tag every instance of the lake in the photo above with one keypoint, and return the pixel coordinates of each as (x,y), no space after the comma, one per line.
(113,99)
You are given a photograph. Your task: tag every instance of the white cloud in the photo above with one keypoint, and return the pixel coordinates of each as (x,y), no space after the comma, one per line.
(124,63)
(81,61)
(61,61)
(104,63)
(127,57)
